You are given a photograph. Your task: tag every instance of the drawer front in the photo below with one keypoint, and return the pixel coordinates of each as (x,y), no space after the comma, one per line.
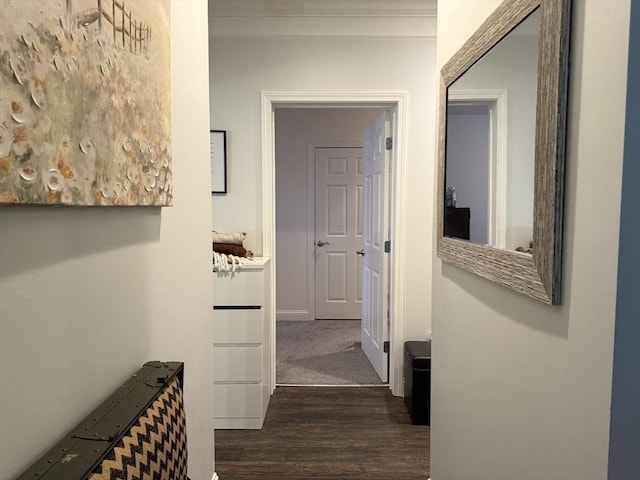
(237,326)
(240,288)
(237,364)
(237,401)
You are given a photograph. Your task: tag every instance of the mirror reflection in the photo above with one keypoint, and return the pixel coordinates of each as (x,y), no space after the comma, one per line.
(490,144)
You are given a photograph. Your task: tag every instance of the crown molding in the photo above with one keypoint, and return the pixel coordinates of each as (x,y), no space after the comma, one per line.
(323,8)
(323,18)
(323,27)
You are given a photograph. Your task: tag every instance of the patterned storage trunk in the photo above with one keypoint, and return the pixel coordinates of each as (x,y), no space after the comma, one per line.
(139,433)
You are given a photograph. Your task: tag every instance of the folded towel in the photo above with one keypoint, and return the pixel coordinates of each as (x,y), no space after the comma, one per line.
(228,263)
(237,250)
(235,238)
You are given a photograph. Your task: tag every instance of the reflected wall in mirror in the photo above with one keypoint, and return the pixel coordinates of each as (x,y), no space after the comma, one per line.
(501,146)
(490,150)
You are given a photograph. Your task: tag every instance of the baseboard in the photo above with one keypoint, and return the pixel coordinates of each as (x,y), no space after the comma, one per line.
(294,315)
(237,423)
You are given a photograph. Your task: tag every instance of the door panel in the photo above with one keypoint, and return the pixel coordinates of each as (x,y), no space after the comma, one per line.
(375,321)
(337,196)
(336,277)
(338,230)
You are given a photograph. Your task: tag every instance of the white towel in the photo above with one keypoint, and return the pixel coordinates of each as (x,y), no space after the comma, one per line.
(228,263)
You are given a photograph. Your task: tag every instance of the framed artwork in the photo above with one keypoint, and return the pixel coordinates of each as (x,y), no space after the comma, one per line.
(85,103)
(218,161)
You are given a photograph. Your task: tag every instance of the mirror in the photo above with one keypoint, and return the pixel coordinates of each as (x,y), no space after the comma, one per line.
(501,148)
(490,149)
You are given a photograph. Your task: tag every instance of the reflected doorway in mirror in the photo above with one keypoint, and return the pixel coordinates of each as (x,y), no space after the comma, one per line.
(532,37)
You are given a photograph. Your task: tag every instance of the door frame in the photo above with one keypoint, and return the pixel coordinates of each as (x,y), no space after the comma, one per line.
(497,101)
(396,102)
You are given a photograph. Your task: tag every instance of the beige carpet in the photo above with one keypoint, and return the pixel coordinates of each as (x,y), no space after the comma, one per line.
(322,352)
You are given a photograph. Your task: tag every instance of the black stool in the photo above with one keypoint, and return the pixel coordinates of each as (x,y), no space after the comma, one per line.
(417,381)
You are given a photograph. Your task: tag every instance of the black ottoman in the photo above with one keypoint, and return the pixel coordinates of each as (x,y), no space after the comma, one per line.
(417,381)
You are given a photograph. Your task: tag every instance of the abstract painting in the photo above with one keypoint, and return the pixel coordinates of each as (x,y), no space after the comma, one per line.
(85,103)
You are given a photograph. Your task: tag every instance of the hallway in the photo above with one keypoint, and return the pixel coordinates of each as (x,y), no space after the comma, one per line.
(355,433)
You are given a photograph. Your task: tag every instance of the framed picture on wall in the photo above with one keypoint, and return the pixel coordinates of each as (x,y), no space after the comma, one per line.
(86,113)
(218,161)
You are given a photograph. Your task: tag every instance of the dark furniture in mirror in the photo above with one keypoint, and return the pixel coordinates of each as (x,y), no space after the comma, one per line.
(457,222)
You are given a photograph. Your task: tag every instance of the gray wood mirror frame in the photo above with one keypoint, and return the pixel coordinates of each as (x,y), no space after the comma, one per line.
(536,274)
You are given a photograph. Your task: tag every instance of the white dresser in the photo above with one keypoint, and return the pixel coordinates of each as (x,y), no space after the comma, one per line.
(242,333)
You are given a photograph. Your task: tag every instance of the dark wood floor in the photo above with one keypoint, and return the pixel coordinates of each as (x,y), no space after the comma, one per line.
(327,433)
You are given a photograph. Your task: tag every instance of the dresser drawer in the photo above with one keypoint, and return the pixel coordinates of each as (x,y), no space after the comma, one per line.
(237,326)
(237,401)
(239,288)
(237,364)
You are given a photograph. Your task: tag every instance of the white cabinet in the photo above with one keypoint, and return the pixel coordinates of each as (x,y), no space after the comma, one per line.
(237,363)
(241,346)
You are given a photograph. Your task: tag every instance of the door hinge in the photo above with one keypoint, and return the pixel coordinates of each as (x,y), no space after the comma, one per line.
(385,347)
(389,143)
(387,246)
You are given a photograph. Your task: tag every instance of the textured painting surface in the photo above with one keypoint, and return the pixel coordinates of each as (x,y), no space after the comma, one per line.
(85,102)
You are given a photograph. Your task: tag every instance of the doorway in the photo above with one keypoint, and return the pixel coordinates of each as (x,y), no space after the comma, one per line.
(319,233)
(338,226)
(480,152)
(396,104)
(347,222)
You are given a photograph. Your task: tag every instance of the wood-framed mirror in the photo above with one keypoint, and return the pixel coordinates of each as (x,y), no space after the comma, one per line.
(503,106)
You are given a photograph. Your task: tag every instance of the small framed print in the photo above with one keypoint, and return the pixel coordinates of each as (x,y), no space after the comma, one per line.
(218,140)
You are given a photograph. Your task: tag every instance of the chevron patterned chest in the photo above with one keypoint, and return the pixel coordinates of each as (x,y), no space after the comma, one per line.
(138,433)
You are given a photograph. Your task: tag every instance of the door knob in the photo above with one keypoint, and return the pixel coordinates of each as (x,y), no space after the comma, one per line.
(360,252)
(320,243)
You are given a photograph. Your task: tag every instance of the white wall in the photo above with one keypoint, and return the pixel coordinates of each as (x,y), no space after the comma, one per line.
(88,295)
(521,390)
(468,165)
(296,129)
(245,66)
(511,66)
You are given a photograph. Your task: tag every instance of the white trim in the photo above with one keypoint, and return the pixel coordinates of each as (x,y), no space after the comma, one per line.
(346,14)
(398,224)
(397,102)
(294,315)
(323,18)
(497,209)
(323,8)
(288,27)
(268,219)
(238,423)
(367,385)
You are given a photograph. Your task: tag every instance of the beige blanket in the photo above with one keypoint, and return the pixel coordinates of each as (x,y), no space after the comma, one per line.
(235,238)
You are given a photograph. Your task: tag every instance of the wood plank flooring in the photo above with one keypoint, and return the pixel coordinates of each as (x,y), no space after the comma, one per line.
(327,433)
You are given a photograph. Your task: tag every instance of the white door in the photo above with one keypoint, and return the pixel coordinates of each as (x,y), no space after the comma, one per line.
(338,229)
(375,316)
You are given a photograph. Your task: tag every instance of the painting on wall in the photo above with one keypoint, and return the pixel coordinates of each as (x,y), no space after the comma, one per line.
(218,140)
(85,103)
